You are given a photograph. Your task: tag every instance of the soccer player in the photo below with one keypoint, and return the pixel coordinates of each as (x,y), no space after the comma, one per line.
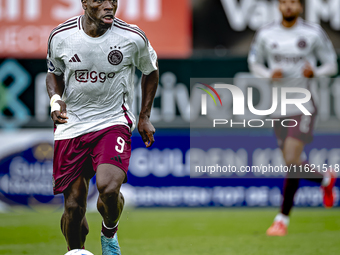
(291,49)
(91,67)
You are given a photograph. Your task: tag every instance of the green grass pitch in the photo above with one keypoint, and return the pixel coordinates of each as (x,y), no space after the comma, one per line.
(180,231)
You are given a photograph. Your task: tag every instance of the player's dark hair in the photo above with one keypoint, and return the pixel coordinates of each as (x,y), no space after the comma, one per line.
(302,2)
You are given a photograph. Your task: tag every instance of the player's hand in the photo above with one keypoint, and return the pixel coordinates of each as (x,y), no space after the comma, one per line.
(308,71)
(146,130)
(59,117)
(277,75)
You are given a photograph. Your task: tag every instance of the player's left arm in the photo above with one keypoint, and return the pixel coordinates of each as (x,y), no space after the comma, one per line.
(325,52)
(146,61)
(149,88)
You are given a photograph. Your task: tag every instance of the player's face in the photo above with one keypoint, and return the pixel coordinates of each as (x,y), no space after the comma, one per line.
(290,9)
(101,12)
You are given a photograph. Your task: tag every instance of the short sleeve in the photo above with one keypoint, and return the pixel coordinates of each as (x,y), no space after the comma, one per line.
(55,64)
(145,58)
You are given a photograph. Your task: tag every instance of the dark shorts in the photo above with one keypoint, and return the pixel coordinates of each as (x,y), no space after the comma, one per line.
(303,131)
(83,155)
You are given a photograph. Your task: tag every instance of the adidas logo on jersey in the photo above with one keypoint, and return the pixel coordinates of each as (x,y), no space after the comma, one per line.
(75,58)
(117,159)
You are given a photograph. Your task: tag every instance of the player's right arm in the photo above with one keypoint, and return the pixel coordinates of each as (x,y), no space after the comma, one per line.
(256,60)
(55,87)
(55,84)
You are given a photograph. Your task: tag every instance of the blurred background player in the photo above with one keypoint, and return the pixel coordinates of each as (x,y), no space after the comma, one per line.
(291,49)
(91,62)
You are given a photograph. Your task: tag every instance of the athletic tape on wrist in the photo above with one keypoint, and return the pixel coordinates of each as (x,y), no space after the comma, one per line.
(55,107)
(54,98)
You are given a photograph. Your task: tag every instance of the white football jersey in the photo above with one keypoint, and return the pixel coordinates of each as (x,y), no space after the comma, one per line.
(289,49)
(98,74)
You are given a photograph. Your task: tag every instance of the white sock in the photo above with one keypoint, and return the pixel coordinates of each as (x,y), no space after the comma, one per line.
(326,180)
(108,227)
(283,218)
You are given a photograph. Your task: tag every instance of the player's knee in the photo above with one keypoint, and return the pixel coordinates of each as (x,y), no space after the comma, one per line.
(292,162)
(110,191)
(121,197)
(291,159)
(74,210)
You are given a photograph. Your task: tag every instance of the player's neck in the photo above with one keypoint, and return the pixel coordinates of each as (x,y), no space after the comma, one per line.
(91,28)
(289,23)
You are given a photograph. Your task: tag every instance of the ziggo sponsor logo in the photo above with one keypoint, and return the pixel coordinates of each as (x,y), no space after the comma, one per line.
(87,76)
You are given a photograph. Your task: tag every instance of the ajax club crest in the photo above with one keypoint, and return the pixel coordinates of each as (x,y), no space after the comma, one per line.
(115,57)
(302,44)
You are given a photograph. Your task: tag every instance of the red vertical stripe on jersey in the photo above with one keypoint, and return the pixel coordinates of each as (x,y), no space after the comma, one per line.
(131,30)
(79,20)
(127,116)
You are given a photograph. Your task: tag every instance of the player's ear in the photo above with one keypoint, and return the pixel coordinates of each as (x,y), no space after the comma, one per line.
(301,6)
(84,4)
(301,9)
(116,3)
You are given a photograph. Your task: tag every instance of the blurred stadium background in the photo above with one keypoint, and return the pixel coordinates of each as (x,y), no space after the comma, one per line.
(197,38)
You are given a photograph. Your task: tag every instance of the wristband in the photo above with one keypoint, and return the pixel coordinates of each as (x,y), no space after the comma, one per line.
(54,98)
(55,107)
